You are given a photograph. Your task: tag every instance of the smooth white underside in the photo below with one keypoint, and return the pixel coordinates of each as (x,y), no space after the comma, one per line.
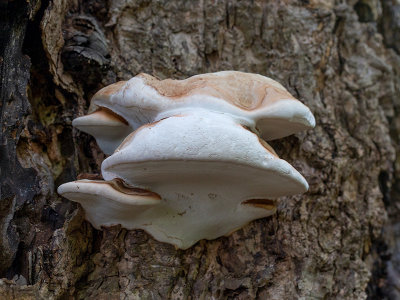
(272,123)
(103,204)
(109,133)
(185,214)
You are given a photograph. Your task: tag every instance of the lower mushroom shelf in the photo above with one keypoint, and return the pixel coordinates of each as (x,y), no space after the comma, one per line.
(208,176)
(182,220)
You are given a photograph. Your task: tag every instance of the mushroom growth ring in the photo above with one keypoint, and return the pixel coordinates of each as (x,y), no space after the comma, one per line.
(188,158)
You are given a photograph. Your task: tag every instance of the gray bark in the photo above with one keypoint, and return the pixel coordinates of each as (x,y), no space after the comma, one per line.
(341,240)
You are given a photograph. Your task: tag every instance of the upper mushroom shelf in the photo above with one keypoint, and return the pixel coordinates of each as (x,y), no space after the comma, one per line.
(188,161)
(255,101)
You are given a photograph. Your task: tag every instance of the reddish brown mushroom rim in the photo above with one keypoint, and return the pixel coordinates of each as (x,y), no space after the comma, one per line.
(261,203)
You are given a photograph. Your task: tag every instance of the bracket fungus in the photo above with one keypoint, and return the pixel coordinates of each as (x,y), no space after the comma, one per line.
(188,157)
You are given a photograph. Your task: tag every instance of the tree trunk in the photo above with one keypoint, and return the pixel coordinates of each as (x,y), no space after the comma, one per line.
(341,240)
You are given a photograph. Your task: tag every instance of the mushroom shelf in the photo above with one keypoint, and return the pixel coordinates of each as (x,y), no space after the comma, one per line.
(189,160)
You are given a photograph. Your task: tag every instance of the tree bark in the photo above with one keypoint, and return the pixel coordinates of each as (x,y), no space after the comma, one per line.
(341,240)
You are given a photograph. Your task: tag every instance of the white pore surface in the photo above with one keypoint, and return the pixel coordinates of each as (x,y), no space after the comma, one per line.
(108,132)
(272,123)
(103,204)
(203,166)
(139,104)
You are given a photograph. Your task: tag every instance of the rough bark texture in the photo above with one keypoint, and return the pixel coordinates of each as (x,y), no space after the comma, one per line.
(341,240)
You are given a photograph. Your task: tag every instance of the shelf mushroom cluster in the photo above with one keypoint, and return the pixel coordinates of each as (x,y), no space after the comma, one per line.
(188,157)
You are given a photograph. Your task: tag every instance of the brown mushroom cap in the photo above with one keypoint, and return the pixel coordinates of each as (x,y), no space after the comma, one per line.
(244,90)
(254,100)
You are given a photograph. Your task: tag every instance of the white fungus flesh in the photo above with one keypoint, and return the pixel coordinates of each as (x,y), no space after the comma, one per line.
(108,128)
(108,203)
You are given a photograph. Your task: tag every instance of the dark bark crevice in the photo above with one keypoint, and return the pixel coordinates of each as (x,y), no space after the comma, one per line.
(18,185)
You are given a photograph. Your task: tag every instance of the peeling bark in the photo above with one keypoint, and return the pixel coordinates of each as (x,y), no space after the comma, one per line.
(339,240)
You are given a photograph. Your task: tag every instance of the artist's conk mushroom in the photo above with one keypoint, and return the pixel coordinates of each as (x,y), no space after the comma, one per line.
(188,162)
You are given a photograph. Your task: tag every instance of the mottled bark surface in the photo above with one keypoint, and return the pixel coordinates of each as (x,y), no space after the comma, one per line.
(341,240)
